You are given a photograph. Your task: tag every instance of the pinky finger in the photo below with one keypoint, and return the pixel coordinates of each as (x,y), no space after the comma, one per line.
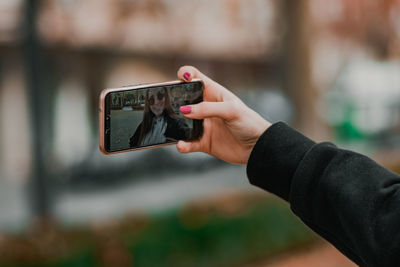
(187,147)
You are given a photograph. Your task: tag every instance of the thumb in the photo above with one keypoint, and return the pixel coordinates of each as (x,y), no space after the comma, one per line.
(187,147)
(204,110)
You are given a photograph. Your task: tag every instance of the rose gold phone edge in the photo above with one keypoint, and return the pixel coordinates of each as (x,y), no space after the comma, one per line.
(133,87)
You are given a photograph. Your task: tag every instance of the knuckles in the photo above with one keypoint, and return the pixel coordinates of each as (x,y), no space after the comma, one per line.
(236,108)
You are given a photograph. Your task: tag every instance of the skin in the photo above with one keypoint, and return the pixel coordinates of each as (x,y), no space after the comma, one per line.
(158,107)
(231,129)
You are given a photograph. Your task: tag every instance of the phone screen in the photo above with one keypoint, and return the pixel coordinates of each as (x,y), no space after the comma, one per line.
(150,117)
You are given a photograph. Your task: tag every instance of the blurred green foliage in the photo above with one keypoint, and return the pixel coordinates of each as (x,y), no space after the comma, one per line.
(227,234)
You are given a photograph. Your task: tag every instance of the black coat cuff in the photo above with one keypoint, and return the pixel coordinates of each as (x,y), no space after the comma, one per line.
(275,158)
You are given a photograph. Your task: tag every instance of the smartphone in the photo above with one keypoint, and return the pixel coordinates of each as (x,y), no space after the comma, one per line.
(147,115)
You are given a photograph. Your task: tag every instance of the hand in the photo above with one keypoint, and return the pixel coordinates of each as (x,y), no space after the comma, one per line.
(231,129)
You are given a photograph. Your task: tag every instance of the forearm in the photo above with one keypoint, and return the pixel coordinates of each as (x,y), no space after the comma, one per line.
(344,196)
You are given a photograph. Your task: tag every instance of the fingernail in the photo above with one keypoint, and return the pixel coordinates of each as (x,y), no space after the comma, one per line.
(185,109)
(186,75)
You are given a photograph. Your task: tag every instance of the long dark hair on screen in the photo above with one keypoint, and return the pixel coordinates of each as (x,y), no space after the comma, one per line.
(148,115)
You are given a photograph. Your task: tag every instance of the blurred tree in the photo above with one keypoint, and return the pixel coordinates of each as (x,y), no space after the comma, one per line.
(38,96)
(297,80)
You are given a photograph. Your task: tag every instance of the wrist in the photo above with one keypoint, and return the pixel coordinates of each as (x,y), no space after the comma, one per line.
(261,126)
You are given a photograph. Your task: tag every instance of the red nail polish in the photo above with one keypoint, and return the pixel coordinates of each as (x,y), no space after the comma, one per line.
(185,109)
(186,75)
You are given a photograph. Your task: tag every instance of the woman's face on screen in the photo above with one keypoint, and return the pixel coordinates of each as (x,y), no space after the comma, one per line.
(157,101)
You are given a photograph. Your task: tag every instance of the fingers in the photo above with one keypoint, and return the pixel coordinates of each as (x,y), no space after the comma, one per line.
(213,90)
(187,147)
(224,110)
(187,73)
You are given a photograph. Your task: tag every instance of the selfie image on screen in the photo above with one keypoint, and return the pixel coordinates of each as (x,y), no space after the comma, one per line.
(151,116)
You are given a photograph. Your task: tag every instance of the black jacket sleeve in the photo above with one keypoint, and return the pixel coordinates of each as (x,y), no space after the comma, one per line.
(344,196)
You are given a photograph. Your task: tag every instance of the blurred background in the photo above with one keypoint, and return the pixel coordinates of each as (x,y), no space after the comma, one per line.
(330,68)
